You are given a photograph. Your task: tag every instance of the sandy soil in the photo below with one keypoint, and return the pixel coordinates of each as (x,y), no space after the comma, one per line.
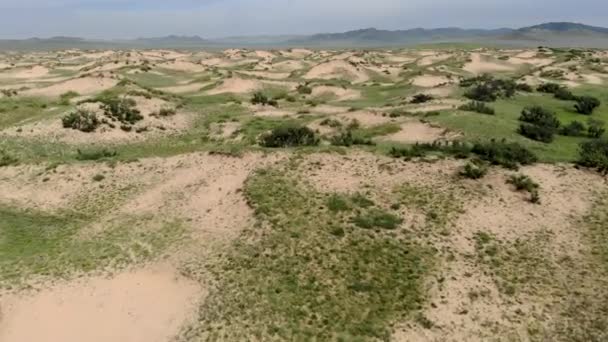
(83,86)
(340,93)
(236,85)
(419,132)
(429,81)
(145,305)
(481,64)
(337,70)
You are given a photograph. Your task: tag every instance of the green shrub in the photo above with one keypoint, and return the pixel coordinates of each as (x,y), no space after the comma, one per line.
(421,98)
(337,203)
(488,89)
(478,107)
(64,99)
(98,177)
(333,123)
(474,170)
(289,136)
(596,128)
(573,129)
(549,88)
(346,138)
(122,110)
(525,87)
(259,98)
(508,155)
(594,154)
(361,200)
(166,111)
(377,218)
(6,159)
(538,124)
(586,104)
(525,183)
(565,94)
(304,89)
(95,154)
(81,120)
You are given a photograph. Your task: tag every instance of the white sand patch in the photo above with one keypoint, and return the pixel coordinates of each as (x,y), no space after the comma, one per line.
(429,81)
(483,64)
(592,79)
(527,54)
(341,93)
(237,86)
(83,86)
(337,70)
(419,132)
(36,71)
(264,54)
(139,306)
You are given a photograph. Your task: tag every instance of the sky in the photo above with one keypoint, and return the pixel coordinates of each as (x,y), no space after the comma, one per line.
(123,19)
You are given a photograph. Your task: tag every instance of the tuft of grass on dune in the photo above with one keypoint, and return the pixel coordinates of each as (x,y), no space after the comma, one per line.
(308,272)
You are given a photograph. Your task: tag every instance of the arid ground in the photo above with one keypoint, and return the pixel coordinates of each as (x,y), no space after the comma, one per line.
(445,193)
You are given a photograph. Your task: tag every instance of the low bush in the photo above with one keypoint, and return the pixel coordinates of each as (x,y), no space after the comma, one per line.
(596,128)
(586,104)
(64,99)
(573,129)
(98,177)
(565,94)
(7,159)
(81,120)
(488,89)
(475,169)
(333,123)
(525,87)
(478,107)
(122,110)
(421,98)
(166,111)
(346,138)
(289,136)
(549,88)
(304,89)
(594,154)
(377,218)
(525,183)
(95,154)
(538,124)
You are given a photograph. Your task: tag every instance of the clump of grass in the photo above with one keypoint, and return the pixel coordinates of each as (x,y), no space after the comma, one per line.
(478,107)
(64,99)
(98,177)
(262,99)
(6,159)
(421,98)
(333,123)
(95,154)
(337,203)
(82,120)
(525,183)
(594,154)
(377,218)
(538,124)
(304,89)
(348,138)
(476,169)
(289,136)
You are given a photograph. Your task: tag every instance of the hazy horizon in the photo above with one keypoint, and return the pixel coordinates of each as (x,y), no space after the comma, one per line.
(127,19)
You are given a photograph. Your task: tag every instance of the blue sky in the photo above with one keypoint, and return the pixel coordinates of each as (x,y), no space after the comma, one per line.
(219,18)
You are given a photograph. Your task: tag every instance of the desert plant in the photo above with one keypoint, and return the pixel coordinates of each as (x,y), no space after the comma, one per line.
(421,98)
(165,111)
(565,94)
(304,89)
(478,107)
(525,183)
(586,104)
(538,124)
(289,136)
(508,155)
(64,99)
(121,109)
(550,88)
(333,123)
(475,169)
(596,128)
(98,177)
(259,98)
(573,129)
(7,159)
(346,138)
(488,89)
(377,218)
(594,154)
(81,120)
(95,154)
(525,87)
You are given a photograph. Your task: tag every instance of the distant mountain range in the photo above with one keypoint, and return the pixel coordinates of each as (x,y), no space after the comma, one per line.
(550,34)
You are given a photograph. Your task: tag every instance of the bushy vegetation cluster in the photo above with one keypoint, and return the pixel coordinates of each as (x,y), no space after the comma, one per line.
(486,88)
(347,138)
(82,120)
(95,154)
(7,159)
(594,154)
(304,89)
(503,153)
(538,124)
(289,136)
(586,104)
(261,99)
(475,169)
(122,110)
(478,107)
(421,98)
(525,183)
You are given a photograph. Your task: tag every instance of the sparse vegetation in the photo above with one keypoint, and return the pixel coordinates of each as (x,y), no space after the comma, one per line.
(289,136)
(525,183)
(421,98)
(81,120)
(478,107)
(475,169)
(594,154)
(538,124)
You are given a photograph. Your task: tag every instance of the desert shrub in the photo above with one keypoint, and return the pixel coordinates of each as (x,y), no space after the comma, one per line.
(488,89)
(508,155)
(596,128)
(478,107)
(259,98)
(573,129)
(304,89)
(122,110)
(346,138)
(337,203)
(166,111)
(525,87)
(421,98)
(565,94)
(377,218)
(98,177)
(594,154)
(555,73)
(7,159)
(586,104)
(468,82)
(525,183)
(81,120)
(95,154)
(333,123)
(64,99)
(538,124)
(475,169)
(549,88)
(289,136)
